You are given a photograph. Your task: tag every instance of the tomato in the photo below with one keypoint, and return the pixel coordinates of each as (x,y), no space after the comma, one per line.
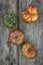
(30,14)
(16,37)
(10,20)
(28,50)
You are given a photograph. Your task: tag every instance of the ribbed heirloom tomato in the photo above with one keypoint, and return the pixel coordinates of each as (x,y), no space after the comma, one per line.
(16,37)
(30,14)
(28,50)
(10,20)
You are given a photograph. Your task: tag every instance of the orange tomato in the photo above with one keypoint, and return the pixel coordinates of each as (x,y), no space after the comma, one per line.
(16,37)
(30,14)
(28,50)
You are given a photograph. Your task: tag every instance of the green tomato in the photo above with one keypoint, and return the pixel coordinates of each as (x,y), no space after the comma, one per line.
(10,20)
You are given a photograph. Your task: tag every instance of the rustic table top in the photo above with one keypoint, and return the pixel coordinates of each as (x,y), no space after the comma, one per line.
(33,33)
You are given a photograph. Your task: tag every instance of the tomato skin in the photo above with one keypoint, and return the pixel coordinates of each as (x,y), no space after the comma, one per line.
(10,20)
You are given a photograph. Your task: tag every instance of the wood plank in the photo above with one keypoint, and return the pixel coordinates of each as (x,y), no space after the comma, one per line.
(33,33)
(4,35)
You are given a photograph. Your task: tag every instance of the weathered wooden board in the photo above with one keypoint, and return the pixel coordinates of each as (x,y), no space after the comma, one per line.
(33,32)
(4,34)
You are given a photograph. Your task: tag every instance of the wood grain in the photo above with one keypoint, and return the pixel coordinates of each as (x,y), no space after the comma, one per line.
(4,35)
(33,33)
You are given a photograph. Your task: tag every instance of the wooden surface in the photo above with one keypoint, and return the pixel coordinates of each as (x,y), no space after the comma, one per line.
(4,35)
(33,33)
